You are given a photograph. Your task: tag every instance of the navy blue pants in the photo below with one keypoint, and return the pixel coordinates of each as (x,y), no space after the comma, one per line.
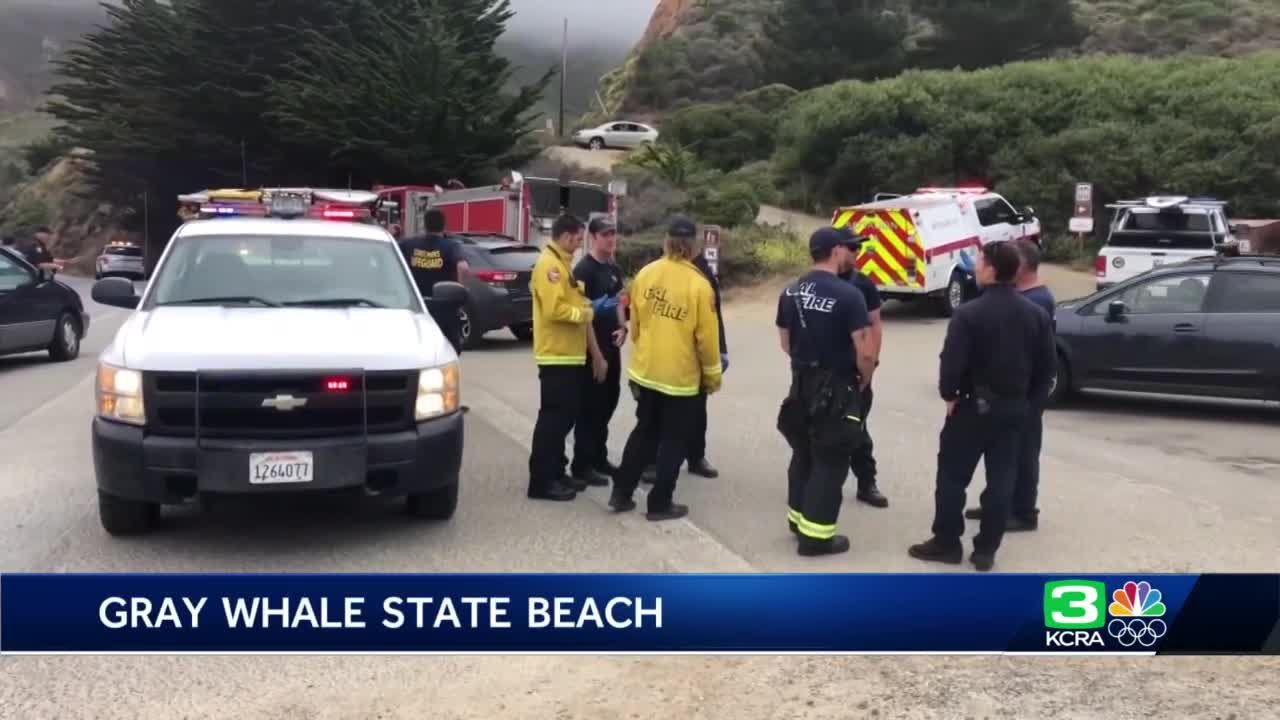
(967,437)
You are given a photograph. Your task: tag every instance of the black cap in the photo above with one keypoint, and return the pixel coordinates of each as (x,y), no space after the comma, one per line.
(601,226)
(682,227)
(827,238)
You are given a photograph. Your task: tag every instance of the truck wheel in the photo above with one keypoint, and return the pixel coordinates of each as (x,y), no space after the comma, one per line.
(523,333)
(596,144)
(66,339)
(435,505)
(1060,388)
(953,297)
(122,517)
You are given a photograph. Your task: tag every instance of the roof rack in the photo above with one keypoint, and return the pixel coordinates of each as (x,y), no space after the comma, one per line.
(1167,202)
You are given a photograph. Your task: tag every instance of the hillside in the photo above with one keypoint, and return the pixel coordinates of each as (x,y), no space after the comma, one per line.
(708,50)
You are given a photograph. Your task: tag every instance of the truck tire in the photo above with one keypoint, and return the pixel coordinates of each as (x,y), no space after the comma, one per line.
(121,517)
(953,296)
(66,339)
(439,504)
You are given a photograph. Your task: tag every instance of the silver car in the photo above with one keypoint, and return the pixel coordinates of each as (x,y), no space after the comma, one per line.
(616,135)
(120,260)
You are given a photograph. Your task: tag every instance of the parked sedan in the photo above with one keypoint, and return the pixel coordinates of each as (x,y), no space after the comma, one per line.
(38,312)
(499,287)
(1208,327)
(616,135)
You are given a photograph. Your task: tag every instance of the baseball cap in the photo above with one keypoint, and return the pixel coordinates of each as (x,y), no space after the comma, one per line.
(682,227)
(601,226)
(828,237)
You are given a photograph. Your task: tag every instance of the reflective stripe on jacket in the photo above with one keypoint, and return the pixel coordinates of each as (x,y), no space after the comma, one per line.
(561,312)
(675,330)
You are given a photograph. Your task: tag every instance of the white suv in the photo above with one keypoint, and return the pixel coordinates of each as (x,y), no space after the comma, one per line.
(273,355)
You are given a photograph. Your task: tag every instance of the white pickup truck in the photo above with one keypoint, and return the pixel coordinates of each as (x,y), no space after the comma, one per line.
(1160,230)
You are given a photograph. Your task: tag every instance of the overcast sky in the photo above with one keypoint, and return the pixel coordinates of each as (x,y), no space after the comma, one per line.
(594,22)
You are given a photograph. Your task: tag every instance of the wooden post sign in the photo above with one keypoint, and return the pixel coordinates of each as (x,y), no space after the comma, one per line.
(711,248)
(1082,217)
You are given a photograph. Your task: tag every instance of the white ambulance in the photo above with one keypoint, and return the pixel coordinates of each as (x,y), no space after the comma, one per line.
(921,245)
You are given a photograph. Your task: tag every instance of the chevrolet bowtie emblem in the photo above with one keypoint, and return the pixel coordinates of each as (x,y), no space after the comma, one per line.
(284,403)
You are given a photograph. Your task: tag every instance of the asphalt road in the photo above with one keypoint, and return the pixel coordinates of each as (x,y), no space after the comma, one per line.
(1129,485)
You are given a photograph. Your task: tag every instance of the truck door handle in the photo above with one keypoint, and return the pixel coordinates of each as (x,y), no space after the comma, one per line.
(1186,328)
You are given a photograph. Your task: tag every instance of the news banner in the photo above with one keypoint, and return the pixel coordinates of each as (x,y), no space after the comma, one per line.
(640,614)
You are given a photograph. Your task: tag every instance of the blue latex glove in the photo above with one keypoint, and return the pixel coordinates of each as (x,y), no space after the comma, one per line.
(604,304)
(724,362)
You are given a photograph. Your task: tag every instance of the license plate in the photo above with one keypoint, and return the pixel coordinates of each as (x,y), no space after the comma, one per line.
(281,467)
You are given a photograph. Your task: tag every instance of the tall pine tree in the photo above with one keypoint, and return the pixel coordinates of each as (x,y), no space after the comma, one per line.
(425,100)
(971,35)
(818,42)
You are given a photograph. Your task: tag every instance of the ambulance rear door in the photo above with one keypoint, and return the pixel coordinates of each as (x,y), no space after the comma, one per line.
(892,256)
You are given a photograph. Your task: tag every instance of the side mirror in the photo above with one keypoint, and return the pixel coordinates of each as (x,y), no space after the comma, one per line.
(46,274)
(116,292)
(1029,212)
(449,294)
(1116,310)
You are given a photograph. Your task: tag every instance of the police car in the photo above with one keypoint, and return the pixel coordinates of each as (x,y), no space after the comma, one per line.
(275,353)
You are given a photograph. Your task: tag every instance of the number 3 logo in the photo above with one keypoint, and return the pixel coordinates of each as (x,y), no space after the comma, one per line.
(1074,604)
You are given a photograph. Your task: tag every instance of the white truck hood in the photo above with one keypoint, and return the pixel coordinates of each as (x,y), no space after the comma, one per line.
(238,338)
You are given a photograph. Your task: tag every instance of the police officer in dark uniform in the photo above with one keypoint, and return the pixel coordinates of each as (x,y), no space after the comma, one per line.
(1025,516)
(823,325)
(863,462)
(601,280)
(997,363)
(434,258)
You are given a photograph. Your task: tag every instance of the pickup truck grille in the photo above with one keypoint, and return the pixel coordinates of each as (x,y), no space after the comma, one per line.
(230,404)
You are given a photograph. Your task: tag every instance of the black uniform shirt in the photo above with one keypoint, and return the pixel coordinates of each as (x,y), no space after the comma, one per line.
(35,252)
(432,259)
(1002,341)
(1042,297)
(700,262)
(832,311)
(600,279)
(870,293)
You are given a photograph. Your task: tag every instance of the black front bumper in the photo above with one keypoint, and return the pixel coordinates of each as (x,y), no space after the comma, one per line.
(133,465)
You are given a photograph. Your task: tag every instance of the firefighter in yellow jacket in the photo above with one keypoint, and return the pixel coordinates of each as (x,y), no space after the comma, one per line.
(562,341)
(676,357)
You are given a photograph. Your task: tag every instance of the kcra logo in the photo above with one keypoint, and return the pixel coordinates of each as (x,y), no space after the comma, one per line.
(1075,615)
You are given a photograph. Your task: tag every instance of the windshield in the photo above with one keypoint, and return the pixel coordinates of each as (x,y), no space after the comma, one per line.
(283,271)
(1166,221)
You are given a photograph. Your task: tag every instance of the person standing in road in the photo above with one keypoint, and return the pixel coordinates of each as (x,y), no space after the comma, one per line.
(997,362)
(562,341)
(1025,516)
(434,258)
(601,280)
(676,358)
(697,455)
(824,327)
(863,461)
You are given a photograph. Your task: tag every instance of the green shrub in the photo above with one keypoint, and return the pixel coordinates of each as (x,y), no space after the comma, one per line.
(1196,126)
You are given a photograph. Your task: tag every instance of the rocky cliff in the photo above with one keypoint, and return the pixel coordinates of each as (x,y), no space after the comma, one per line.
(667,18)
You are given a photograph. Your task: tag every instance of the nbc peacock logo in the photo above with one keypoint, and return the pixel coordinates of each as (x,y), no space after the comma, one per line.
(1136,615)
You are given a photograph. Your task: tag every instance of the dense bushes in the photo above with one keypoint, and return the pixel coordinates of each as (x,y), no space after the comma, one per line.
(1132,127)
(747,253)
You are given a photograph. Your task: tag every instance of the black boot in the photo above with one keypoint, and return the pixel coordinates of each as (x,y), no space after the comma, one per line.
(934,551)
(982,562)
(555,492)
(673,512)
(870,495)
(620,503)
(809,547)
(590,477)
(702,468)
(576,484)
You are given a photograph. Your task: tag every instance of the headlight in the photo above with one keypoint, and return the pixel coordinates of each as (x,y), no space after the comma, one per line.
(437,392)
(119,394)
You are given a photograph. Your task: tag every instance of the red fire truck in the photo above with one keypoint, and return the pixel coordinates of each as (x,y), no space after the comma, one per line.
(522,208)
(402,206)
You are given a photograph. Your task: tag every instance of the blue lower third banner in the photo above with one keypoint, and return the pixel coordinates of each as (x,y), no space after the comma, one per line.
(765,614)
